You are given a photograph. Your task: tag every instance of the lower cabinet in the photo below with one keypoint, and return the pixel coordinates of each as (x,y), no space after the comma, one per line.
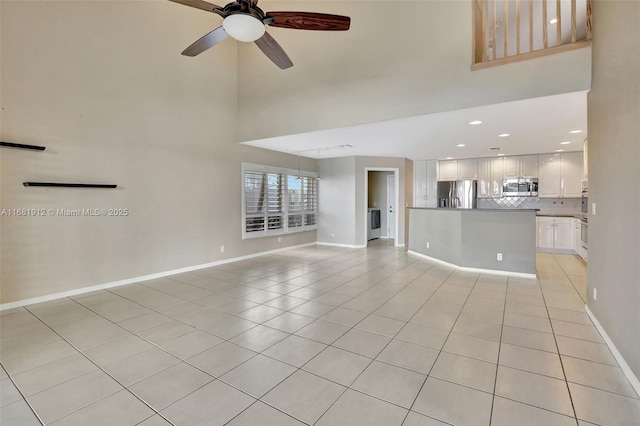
(555,234)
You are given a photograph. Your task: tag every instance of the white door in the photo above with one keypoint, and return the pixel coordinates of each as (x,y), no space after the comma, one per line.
(391,207)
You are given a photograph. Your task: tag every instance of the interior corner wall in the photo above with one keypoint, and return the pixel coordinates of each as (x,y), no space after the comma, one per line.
(103,86)
(614,172)
(408,196)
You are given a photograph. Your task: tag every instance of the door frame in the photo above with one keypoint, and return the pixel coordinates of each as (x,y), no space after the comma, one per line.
(396,174)
(395,206)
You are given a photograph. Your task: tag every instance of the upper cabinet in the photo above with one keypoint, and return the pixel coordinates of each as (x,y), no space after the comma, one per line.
(490,177)
(585,161)
(560,175)
(425,183)
(458,169)
(468,169)
(448,170)
(520,166)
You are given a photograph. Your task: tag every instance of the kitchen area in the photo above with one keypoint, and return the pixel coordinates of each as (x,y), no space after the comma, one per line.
(551,188)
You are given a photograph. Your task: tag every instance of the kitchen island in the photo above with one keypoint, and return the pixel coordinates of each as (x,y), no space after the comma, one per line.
(476,238)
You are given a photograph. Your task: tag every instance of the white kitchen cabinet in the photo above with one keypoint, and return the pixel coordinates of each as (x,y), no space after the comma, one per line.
(458,169)
(572,174)
(468,169)
(425,183)
(563,235)
(585,160)
(560,175)
(497,177)
(555,234)
(520,166)
(484,178)
(448,170)
(576,242)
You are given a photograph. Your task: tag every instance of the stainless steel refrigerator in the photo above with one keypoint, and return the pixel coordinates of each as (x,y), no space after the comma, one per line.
(458,194)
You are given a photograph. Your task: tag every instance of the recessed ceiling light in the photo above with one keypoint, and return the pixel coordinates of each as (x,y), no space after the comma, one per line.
(460,145)
(503,135)
(565,143)
(449,158)
(553,21)
(576,131)
(473,123)
(500,155)
(559,150)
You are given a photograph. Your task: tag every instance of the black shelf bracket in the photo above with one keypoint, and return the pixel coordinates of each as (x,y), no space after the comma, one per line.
(22,146)
(70,185)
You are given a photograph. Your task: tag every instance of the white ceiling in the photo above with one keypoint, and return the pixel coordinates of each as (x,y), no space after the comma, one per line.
(534,125)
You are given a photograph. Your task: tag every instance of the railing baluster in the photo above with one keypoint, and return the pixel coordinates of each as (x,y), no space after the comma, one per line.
(485,29)
(495,38)
(485,23)
(518,27)
(559,23)
(545,41)
(530,25)
(573,21)
(588,19)
(505,24)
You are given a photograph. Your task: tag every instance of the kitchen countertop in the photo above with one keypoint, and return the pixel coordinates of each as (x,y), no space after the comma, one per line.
(576,216)
(473,210)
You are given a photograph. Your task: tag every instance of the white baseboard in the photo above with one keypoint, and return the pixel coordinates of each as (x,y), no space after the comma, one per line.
(341,245)
(633,379)
(476,270)
(78,291)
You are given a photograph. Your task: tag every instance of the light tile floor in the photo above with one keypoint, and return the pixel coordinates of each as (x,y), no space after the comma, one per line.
(318,335)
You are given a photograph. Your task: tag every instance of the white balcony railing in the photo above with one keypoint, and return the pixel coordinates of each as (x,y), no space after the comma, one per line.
(512,30)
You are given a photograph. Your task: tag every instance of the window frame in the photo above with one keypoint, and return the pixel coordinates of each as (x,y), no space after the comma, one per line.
(285,202)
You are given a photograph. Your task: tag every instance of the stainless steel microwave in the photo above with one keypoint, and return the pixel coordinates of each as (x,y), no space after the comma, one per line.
(520,187)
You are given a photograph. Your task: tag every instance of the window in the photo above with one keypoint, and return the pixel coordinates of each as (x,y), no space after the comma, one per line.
(278,201)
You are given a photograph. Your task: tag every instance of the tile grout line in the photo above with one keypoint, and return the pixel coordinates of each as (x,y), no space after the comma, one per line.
(24,398)
(381,350)
(443,343)
(555,340)
(495,380)
(99,368)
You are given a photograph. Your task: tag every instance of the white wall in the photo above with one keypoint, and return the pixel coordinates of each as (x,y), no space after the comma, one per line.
(104,87)
(337,201)
(399,59)
(614,173)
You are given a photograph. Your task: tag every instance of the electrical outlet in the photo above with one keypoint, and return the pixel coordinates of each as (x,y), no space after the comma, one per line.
(595,293)
(499,257)
(593,209)
(427,244)
(222,249)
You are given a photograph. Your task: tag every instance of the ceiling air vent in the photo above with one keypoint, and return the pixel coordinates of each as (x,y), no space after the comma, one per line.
(496,148)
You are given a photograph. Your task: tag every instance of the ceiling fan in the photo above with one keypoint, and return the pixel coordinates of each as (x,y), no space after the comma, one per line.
(245,21)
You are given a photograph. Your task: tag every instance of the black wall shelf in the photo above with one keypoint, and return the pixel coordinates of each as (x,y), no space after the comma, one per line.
(70,185)
(22,146)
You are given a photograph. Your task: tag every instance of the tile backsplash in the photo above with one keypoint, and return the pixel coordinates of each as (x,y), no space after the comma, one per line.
(546,205)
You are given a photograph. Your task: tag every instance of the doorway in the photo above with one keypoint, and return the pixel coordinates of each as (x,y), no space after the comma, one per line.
(381,195)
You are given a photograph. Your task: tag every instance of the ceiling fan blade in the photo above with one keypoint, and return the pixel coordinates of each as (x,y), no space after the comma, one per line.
(206,42)
(310,21)
(198,4)
(272,49)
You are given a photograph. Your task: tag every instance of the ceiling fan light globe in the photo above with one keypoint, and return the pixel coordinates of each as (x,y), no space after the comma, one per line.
(243,27)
